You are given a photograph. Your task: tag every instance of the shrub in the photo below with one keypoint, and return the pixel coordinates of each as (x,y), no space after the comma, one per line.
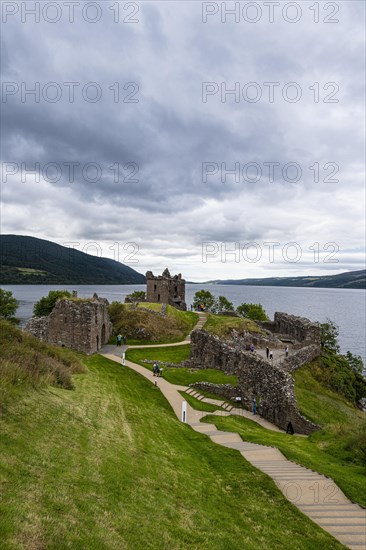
(255,312)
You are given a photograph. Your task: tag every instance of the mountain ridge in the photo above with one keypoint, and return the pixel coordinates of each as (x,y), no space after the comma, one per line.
(29,260)
(347,279)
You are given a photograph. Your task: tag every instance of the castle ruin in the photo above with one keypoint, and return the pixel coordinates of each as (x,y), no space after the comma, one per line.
(271,383)
(76,323)
(166,289)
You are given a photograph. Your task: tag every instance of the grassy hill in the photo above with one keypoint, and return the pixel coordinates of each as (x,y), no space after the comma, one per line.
(27,260)
(146,324)
(107,465)
(349,279)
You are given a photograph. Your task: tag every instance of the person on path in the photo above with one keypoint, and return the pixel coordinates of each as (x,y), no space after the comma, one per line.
(286,351)
(252,348)
(271,354)
(119,340)
(267,352)
(155,369)
(125,340)
(254,406)
(161,371)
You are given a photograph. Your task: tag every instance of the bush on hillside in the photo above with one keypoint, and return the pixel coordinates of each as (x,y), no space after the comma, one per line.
(340,373)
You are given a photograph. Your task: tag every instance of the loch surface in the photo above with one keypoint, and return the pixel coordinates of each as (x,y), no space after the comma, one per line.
(346,308)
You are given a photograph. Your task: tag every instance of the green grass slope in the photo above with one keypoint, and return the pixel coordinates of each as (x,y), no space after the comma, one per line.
(178,375)
(338,450)
(146,325)
(108,466)
(222,325)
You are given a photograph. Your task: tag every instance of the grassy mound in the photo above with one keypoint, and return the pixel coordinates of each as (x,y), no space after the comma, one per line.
(108,466)
(28,363)
(146,324)
(222,326)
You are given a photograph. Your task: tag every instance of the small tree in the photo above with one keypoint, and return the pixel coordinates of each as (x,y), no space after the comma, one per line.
(224,304)
(255,312)
(8,304)
(329,333)
(205,299)
(46,304)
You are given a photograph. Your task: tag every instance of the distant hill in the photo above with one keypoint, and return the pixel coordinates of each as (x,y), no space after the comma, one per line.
(349,279)
(28,260)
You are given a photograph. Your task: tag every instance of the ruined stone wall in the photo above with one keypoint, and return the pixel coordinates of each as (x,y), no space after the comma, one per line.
(300,357)
(83,325)
(299,328)
(209,352)
(270,384)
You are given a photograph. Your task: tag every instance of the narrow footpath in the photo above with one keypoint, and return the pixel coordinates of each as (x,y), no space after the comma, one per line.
(316,495)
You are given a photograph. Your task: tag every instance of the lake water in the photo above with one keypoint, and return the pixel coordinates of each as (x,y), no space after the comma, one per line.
(346,308)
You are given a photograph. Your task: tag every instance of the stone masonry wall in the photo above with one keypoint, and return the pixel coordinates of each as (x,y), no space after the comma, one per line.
(300,357)
(299,328)
(258,378)
(83,325)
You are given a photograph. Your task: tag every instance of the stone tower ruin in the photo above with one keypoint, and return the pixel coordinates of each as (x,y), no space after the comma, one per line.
(166,289)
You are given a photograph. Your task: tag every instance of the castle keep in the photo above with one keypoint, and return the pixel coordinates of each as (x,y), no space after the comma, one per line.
(166,289)
(80,324)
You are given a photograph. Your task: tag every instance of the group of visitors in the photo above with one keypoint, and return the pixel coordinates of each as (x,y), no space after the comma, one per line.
(157,371)
(121,339)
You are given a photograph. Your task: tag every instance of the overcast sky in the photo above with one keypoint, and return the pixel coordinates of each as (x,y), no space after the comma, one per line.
(148,147)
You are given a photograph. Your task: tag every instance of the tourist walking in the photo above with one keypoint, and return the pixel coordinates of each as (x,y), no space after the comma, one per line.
(254,406)
(251,348)
(119,339)
(161,371)
(125,340)
(155,369)
(286,351)
(267,352)
(271,354)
